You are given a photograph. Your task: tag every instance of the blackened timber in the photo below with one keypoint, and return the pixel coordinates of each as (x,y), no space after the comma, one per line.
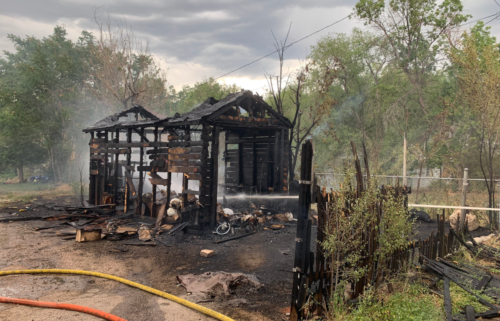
(141,176)
(183,156)
(190,192)
(115,187)
(103,180)
(282,160)
(234,237)
(141,134)
(447,297)
(157,151)
(91,179)
(185,150)
(110,151)
(154,183)
(215,171)
(301,241)
(187,162)
(182,169)
(250,140)
(276,161)
(130,145)
(485,280)
(470,315)
(169,178)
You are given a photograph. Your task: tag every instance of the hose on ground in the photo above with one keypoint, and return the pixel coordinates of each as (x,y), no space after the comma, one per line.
(165,295)
(63,306)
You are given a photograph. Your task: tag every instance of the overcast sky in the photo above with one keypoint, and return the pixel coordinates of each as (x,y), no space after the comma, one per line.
(197,39)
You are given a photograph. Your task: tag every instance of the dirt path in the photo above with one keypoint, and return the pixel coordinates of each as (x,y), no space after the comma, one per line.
(266,254)
(24,249)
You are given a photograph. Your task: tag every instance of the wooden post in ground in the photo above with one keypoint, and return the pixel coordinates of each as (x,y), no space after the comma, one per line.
(92,178)
(126,172)
(463,211)
(405,180)
(141,177)
(302,240)
(115,183)
(215,175)
(153,188)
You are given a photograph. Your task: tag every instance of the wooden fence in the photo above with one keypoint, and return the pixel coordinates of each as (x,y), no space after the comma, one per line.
(313,274)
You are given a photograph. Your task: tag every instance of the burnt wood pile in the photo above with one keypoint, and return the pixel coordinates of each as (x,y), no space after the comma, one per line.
(473,279)
(254,152)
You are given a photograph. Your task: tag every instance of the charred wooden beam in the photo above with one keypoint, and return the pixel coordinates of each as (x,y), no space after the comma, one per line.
(115,190)
(185,150)
(215,171)
(184,156)
(141,134)
(110,151)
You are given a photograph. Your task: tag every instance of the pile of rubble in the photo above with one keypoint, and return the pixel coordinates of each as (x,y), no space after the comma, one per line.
(93,223)
(250,220)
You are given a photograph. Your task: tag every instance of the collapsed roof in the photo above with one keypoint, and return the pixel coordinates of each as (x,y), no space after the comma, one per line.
(210,111)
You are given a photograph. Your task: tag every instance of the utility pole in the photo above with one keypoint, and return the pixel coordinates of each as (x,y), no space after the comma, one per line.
(405,180)
(464,197)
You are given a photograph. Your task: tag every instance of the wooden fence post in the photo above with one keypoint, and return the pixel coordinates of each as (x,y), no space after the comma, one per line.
(302,240)
(464,197)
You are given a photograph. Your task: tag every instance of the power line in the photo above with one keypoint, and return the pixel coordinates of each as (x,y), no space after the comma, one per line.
(495,15)
(288,46)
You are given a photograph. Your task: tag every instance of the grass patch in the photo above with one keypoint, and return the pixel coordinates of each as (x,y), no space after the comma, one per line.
(410,302)
(26,187)
(28,191)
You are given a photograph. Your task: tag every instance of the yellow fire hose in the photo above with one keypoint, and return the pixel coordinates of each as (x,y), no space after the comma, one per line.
(165,295)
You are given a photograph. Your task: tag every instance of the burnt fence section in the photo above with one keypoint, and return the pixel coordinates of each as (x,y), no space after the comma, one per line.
(313,277)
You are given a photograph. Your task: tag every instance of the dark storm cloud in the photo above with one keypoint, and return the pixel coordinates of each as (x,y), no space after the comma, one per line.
(220,34)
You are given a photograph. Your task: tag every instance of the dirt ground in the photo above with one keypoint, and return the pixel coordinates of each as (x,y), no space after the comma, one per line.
(267,254)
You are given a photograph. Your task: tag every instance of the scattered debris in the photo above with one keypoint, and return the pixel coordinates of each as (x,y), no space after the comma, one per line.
(88,236)
(144,233)
(483,239)
(166,227)
(470,219)
(276,227)
(207,253)
(213,284)
(420,215)
(126,229)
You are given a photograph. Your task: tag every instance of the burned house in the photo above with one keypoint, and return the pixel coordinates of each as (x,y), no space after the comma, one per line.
(240,134)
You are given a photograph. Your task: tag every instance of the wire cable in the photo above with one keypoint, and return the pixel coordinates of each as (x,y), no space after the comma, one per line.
(287,46)
(496,15)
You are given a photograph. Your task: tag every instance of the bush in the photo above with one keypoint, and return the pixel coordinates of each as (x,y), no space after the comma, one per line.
(351,218)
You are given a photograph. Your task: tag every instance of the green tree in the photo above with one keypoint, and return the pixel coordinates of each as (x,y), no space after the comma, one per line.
(41,98)
(188,97)
(478,68)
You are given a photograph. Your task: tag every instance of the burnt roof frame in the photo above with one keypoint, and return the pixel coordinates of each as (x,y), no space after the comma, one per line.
(197,116)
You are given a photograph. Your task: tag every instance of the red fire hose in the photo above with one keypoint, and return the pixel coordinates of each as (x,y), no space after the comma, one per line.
(64,306)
